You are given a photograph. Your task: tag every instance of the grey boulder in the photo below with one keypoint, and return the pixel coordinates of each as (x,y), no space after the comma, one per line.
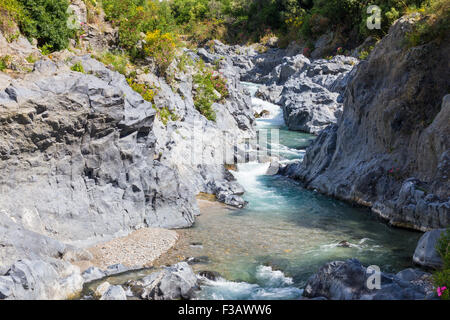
(114,293)
(426,254)
(348,280)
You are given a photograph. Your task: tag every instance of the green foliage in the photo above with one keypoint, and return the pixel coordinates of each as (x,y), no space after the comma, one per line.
(434,24)
(134,17)
(46,49)
(144,90)
(441,278)
(211,87)
(11,13)
(46,20)
(4,62)
(165,115)
(31,59)
(77,67)
(161,47)
(363,55)
(183,61)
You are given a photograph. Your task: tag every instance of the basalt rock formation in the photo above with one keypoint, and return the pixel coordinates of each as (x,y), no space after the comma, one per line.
(390,148)
(85,158)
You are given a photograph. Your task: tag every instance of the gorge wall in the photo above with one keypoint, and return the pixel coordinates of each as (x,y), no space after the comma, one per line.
(390,148)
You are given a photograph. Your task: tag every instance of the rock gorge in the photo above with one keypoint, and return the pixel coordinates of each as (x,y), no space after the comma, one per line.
(85,158)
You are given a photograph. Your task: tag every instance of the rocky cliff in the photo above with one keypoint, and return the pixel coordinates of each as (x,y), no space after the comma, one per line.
(390,148)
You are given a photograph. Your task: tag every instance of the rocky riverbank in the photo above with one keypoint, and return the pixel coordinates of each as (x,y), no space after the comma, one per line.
(94,161)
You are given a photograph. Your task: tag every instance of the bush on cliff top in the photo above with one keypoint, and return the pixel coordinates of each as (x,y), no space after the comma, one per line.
(210,87)
(434,24)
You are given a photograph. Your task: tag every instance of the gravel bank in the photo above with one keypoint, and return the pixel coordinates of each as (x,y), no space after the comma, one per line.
(138,249)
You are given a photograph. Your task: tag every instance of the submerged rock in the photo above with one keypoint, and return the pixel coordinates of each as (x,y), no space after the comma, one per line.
(348,280)
(344,244)
(198,260)
(210,275)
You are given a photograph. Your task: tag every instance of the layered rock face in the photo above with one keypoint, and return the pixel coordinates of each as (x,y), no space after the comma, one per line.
(390,148)
(85,158)
(308,91)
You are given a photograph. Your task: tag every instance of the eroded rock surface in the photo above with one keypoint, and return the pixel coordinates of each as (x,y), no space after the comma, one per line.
(426,254)
(171,283)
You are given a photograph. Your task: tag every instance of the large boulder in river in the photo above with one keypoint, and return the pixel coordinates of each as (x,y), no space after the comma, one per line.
(426,254)
(390,149)
(348,280)
(114,293)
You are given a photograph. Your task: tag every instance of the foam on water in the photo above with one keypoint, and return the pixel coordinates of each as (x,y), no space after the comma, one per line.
(271,284)
(275,116)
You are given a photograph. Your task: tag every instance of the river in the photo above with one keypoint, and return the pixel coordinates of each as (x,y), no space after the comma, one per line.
(269,249)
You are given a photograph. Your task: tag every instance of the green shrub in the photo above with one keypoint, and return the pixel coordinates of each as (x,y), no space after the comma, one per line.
(46,20)
(11,13)
(31,59)
(118,61)
(161,47)
(144,90)
(134,17)
(165,115)
(363,55)
(441,278)
(209,84)
(77,67)
(183,61)
(4,62)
